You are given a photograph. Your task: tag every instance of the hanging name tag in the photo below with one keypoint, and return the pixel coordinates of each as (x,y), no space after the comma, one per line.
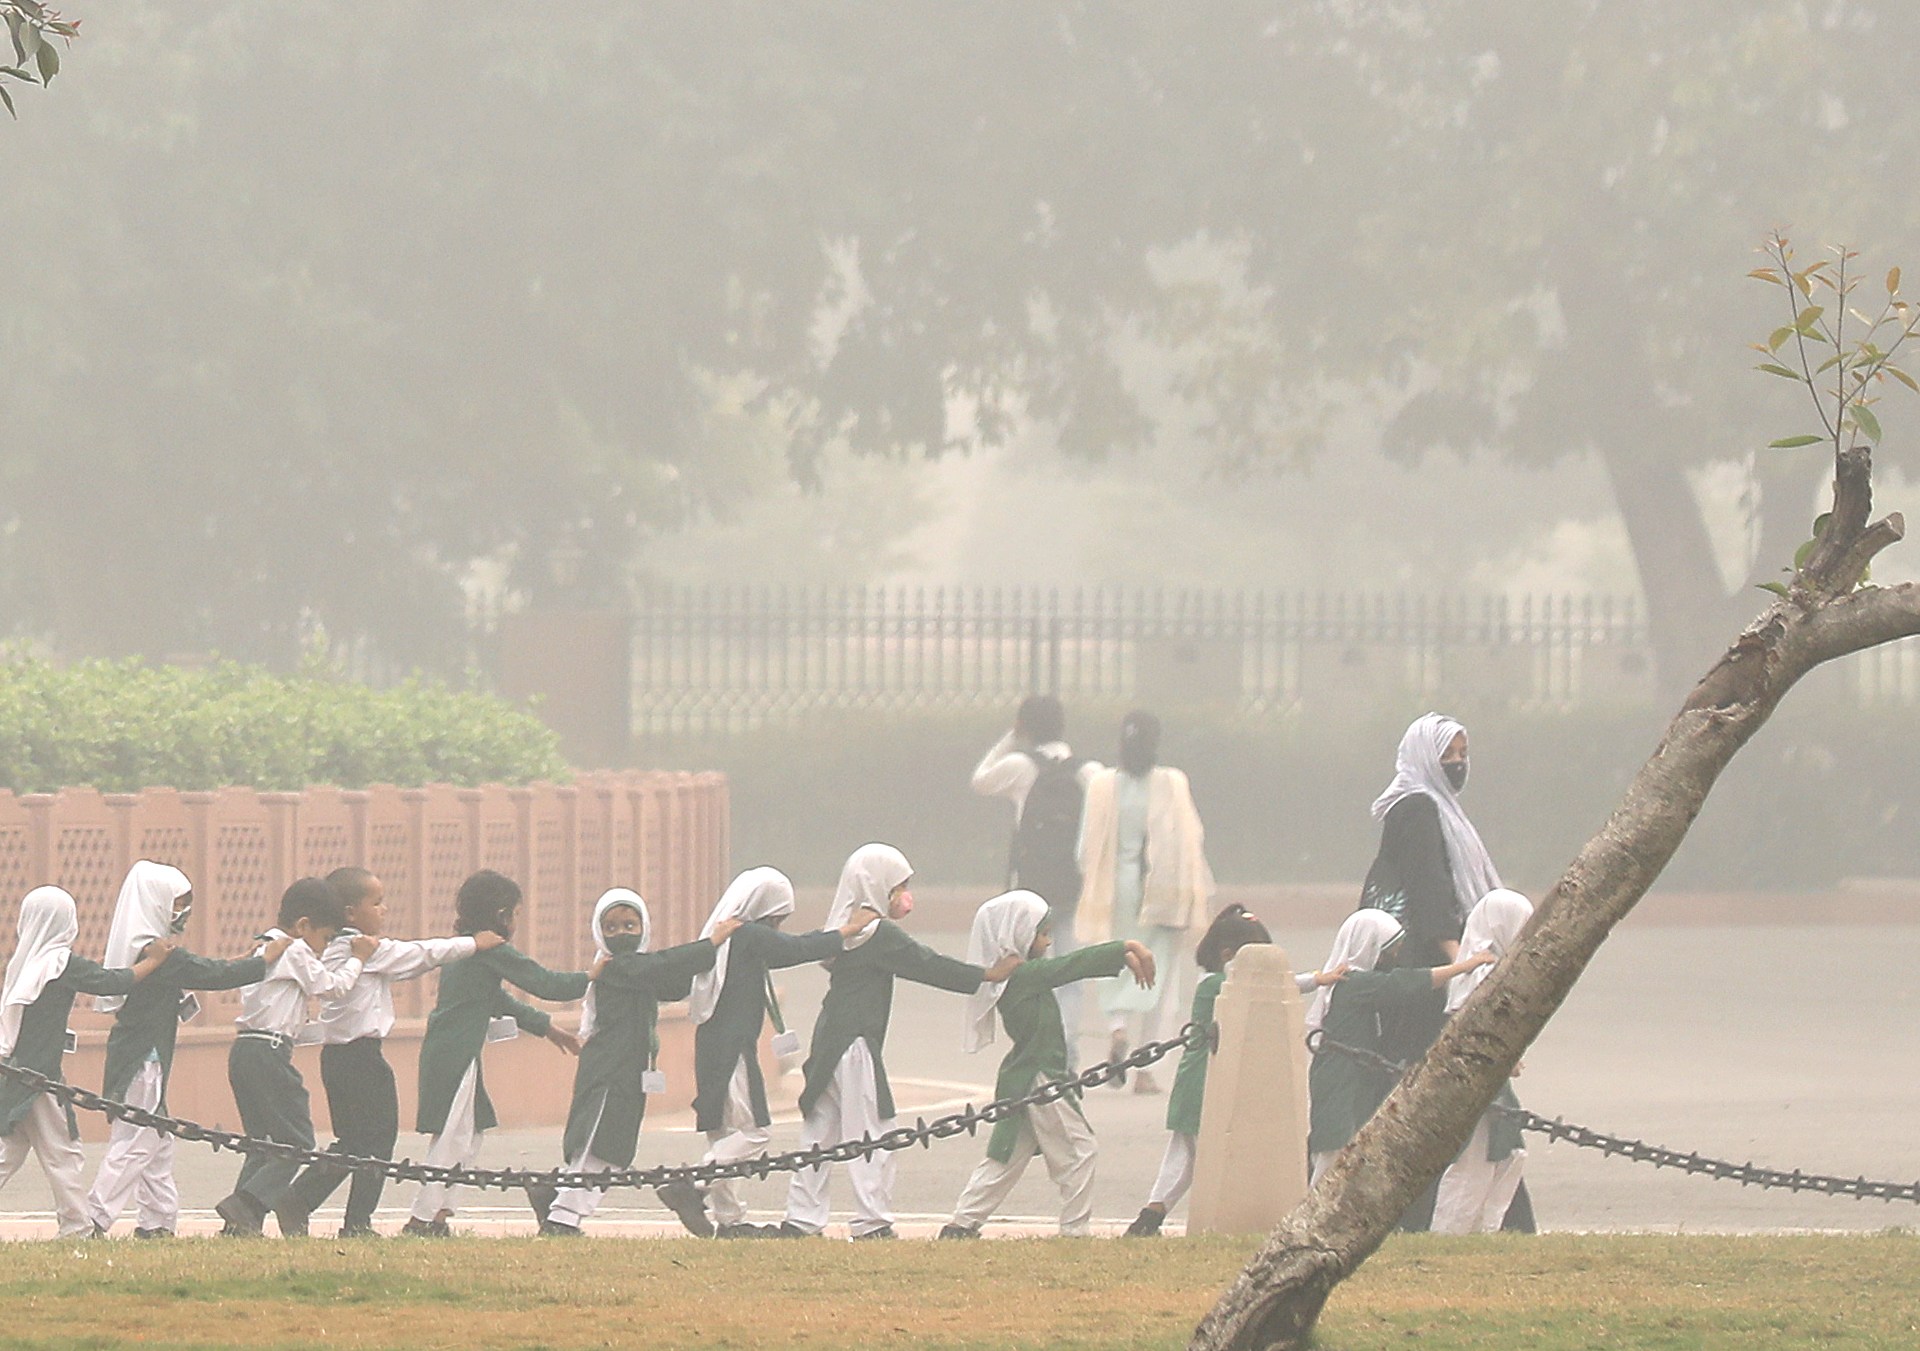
(786,1044)
(73,1042)
(312,1034)
(189,1008)
(502,1029)
(653,1081)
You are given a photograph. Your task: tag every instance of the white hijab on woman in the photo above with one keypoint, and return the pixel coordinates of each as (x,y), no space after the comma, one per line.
(1494,926)
(1416,769)
(48,926)
(1003,927)
(871,874)
(143,913)
(1363,936)
(757,893)
(608,900)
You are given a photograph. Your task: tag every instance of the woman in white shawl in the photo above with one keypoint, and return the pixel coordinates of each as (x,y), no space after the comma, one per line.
(1479,1186)
(43,977)
(1431,870)
(1145,876)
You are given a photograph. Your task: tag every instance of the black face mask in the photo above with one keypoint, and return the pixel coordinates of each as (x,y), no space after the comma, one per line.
(622,945)
(179,924)
(1456,773)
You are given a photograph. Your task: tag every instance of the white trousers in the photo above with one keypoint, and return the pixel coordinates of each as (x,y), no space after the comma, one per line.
(138,1165)
(740,1137)
(1061,1136)
(1475,1191)
(456,1146)
(44,1132)
(574,1205)
(1176,1170)
(849,1109)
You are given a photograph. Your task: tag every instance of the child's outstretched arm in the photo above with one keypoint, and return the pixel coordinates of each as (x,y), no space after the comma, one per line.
(1443,974)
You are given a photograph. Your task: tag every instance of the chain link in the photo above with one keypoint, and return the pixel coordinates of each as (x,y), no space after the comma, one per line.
(1746,1174)
(922,1132)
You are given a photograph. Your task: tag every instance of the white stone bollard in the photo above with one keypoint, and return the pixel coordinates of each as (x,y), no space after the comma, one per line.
(1251,1166)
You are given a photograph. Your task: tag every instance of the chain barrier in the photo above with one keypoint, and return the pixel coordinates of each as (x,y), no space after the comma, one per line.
(922,1132)
(1639,1151)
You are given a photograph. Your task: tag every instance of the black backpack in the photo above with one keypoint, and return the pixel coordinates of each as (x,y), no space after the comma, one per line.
(1046,842)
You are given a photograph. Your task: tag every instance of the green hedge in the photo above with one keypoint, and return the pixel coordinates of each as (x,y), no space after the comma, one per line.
(1823,792)
(121,726)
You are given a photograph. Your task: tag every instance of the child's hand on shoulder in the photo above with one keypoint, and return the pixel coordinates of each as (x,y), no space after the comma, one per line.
(487,940)
(564,1039)
(599,965)
(1140,962)
(363,946)
(1484,957)
(158,951)
(1333,977)
(1003,968)
(723,930)
(274,950)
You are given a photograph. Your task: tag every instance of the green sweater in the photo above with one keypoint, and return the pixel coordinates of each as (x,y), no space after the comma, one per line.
(149,1021)
(43,1033)
(1031,1016)
(1344,1091)
(860,1000)
(470,998)
(731,1036)
(1190,1078)
(608,1100)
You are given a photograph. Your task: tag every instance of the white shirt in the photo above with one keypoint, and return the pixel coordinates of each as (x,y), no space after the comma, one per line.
(279,1003)
(1008,771)
(366,1008)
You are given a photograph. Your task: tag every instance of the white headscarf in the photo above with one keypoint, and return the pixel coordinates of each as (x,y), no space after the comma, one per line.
(1002,927)
(1493,926)
(143,913)
(871,874)
(757,893)
(48,926)
(1363,936)
(1416,769)
(608,900)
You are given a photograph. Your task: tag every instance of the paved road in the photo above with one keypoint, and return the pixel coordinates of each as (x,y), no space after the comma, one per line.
(1788,1046)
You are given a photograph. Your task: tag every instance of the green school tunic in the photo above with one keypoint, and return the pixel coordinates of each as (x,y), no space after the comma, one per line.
(148,1023)
(1190,1078)
(470,998)
(732,1034)
(1345,1092)
(608,1101)
(1031,1016)
(859,1001)
(43,1033)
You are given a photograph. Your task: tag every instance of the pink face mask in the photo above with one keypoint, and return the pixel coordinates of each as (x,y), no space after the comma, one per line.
(901,905)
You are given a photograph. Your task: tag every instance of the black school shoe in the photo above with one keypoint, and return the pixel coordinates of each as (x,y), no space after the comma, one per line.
(784,1229)
(745,1230)
(1146,1224)
(140,1233)
(243,1216)
(293,1218)
(419,1228)
(559,1229)
(958,1231)
(690,1204)
(542,1195)
(884,1231)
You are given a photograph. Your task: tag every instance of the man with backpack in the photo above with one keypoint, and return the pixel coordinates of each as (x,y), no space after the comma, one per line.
(1033,767)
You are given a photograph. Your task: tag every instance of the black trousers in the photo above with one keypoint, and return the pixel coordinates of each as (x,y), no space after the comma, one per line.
(364,1103)
(272,1099)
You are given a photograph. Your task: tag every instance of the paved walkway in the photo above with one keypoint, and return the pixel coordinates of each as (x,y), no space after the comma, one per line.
(1791,1046)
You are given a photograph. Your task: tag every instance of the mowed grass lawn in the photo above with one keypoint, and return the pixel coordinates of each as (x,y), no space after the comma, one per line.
(1499,1292)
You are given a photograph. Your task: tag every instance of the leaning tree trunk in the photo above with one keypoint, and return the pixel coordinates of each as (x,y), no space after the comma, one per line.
(1428,1117)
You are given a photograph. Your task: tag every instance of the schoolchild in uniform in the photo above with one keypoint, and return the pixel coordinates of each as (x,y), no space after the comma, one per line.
(1479,1186)
(619,1040)
(1232,929)
(846,1094)
(1015,925)
(729,1006)
(1344,1092)
(362,1099)
(155,901)
(268,1090)
(43,976)
(454,1107)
